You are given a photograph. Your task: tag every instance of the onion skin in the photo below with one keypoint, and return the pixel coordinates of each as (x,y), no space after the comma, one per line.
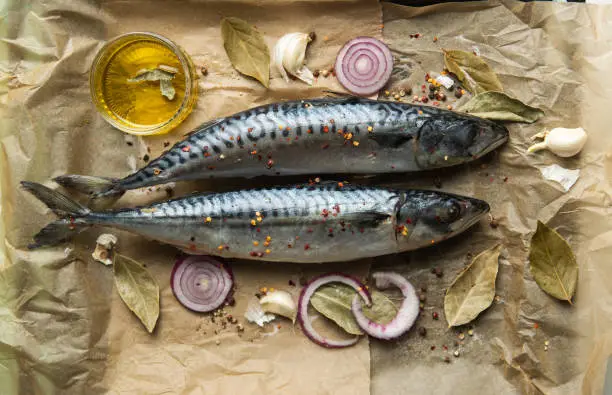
(406,315)
(364,65)
(307,293)
(209,264)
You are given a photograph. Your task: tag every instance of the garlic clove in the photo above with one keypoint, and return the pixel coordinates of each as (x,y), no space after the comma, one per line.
(562,142)
(289,54)
(104,249)
(280,303)
(255,313)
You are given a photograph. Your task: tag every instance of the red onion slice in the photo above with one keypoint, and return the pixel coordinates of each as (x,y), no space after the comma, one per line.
(201,283)
(406,315)
(307,293)
(364,65)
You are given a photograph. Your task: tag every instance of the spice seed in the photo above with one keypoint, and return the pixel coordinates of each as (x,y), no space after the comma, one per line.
(456,353)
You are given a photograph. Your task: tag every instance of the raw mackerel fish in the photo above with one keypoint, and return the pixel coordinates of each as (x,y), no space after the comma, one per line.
(322,136)
(305,223)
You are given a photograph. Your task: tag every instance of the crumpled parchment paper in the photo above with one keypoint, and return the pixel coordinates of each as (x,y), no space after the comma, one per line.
(63,329)
(556,57)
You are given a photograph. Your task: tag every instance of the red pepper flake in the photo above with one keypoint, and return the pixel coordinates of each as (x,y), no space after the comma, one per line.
(306,246)
(491,179)
(254,152)
(257,254)
(436,103)
(445,347)
(309,131)
(340,185)
(206,154)
(258,230)
(361,230)
(232,138)
(325,213)
(309,230)
(186,148)
(270,163)
(156,171)
(289,246)
(288,138)
(435,316)
(259,157)
(408,221)
(287,128)
(536,325)
(337,206)
(192,247)
(427,77)
(325,129)
(249,130)
(331,121)
(435,39)
(238,138)
(330,230)
(325,146)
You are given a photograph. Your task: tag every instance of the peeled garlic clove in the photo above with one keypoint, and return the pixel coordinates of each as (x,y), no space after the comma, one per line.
(280,303)
(289,54)
(104,248)
(562,142)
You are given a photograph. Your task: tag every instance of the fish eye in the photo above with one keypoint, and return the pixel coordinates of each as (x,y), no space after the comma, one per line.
(450,212)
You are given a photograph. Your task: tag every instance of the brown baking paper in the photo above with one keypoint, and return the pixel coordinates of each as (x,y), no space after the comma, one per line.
(63,328)
(552,56)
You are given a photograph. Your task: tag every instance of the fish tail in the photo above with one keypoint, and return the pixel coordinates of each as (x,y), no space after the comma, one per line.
(72,216)
(96,187)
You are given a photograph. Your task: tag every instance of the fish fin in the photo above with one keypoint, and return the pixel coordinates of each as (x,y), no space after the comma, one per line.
(96,187)
(366,218)
(390,140)
(61,205)
(57,232)
(205,125)
(71,212)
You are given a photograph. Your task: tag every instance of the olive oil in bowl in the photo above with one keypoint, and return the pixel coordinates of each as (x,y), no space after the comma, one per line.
(143,83)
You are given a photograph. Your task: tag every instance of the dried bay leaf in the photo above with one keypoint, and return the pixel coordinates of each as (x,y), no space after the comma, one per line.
(472,71)
(334,302)
(500,107)
(138,289)
(553,264)
(163,74)
(473,290)
(246,49)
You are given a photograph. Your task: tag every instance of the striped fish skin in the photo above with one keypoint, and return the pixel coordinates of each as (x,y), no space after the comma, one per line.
(321,136)
(311,223)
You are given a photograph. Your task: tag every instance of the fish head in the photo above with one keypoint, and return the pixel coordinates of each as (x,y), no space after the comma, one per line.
(452,139)
(427,217)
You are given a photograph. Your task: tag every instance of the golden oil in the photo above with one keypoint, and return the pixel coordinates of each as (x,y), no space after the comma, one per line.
(139,107)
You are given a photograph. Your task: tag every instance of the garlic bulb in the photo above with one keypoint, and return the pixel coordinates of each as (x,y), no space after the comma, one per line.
(289,54)
(562,142)
(279,302)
